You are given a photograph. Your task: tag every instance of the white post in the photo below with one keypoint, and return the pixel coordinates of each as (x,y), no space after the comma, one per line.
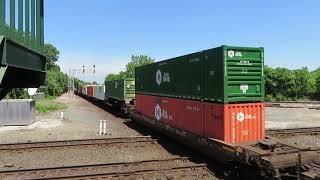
(104,127)
(100,129)
(61,116)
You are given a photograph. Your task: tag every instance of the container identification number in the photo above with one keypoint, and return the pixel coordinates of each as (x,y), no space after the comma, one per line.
(193,108)
(194,60)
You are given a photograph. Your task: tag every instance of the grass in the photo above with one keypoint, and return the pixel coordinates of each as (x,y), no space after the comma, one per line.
(47,105)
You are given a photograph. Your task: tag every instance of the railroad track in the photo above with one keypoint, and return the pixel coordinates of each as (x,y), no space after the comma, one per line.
(73,143)
(296,131)
(175,168)
(311,105)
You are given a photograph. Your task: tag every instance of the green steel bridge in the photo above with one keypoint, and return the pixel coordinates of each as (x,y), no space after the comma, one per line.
(22,60)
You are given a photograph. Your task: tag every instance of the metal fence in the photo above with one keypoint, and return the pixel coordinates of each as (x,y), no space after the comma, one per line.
(30,29)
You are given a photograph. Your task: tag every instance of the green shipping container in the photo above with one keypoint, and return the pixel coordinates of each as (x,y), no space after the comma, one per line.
(121,90)
(225,74)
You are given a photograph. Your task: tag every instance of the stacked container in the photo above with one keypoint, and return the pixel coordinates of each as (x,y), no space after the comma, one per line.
(99,91)
(120,90)
(90,91)
(215,93)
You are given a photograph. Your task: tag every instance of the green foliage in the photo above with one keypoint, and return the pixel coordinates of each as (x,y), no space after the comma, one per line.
(49,106)
(17,93)
(283,84)
(52,54)
(136,61)
(56,83)
(316,75)
(303,84)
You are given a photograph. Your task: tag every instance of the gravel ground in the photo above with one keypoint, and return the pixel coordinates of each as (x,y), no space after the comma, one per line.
(286,118)
(42,158)
(313,104)
(304,141)
(81,122)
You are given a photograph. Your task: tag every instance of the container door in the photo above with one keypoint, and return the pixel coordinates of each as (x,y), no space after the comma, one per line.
(245,77)
(244,122)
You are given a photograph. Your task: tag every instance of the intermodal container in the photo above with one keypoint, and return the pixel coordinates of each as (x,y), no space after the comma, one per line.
(84,90)
(225,74)
(99,92)
(233,123)
(122,90)
(138,103)
(79,90)
(90,91)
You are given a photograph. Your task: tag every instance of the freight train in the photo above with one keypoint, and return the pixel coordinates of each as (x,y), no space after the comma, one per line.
(213,101)
(119,94)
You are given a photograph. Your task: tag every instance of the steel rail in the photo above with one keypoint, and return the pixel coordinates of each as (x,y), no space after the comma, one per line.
(104,170)
(71,143)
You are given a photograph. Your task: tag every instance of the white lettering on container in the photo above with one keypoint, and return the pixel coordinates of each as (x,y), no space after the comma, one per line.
(244,62)
(238,54)
(162,77)
(193,108)
(157,112)
(166,77)
(242,116)
(244,88)
(158,77)
(191,60)
(161,113)
(245,132)
(231,53)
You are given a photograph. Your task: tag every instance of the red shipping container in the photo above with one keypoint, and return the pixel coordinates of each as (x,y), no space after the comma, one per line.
(90,91)
(234,123)
(138,103)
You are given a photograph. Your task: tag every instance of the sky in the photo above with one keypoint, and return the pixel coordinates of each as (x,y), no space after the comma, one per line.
(107,32)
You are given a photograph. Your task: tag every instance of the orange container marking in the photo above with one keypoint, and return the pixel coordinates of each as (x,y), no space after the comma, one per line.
(233,123)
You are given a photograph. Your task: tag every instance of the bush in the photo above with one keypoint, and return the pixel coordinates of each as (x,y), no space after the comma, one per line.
(45,106)
(284,85)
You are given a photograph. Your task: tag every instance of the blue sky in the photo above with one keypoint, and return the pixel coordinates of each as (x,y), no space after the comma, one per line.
(107,32)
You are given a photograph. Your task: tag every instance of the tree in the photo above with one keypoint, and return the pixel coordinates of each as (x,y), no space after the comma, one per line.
(316,75)
(303,84)
(17,93)
(136,61)
(52,54)
(56,81)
